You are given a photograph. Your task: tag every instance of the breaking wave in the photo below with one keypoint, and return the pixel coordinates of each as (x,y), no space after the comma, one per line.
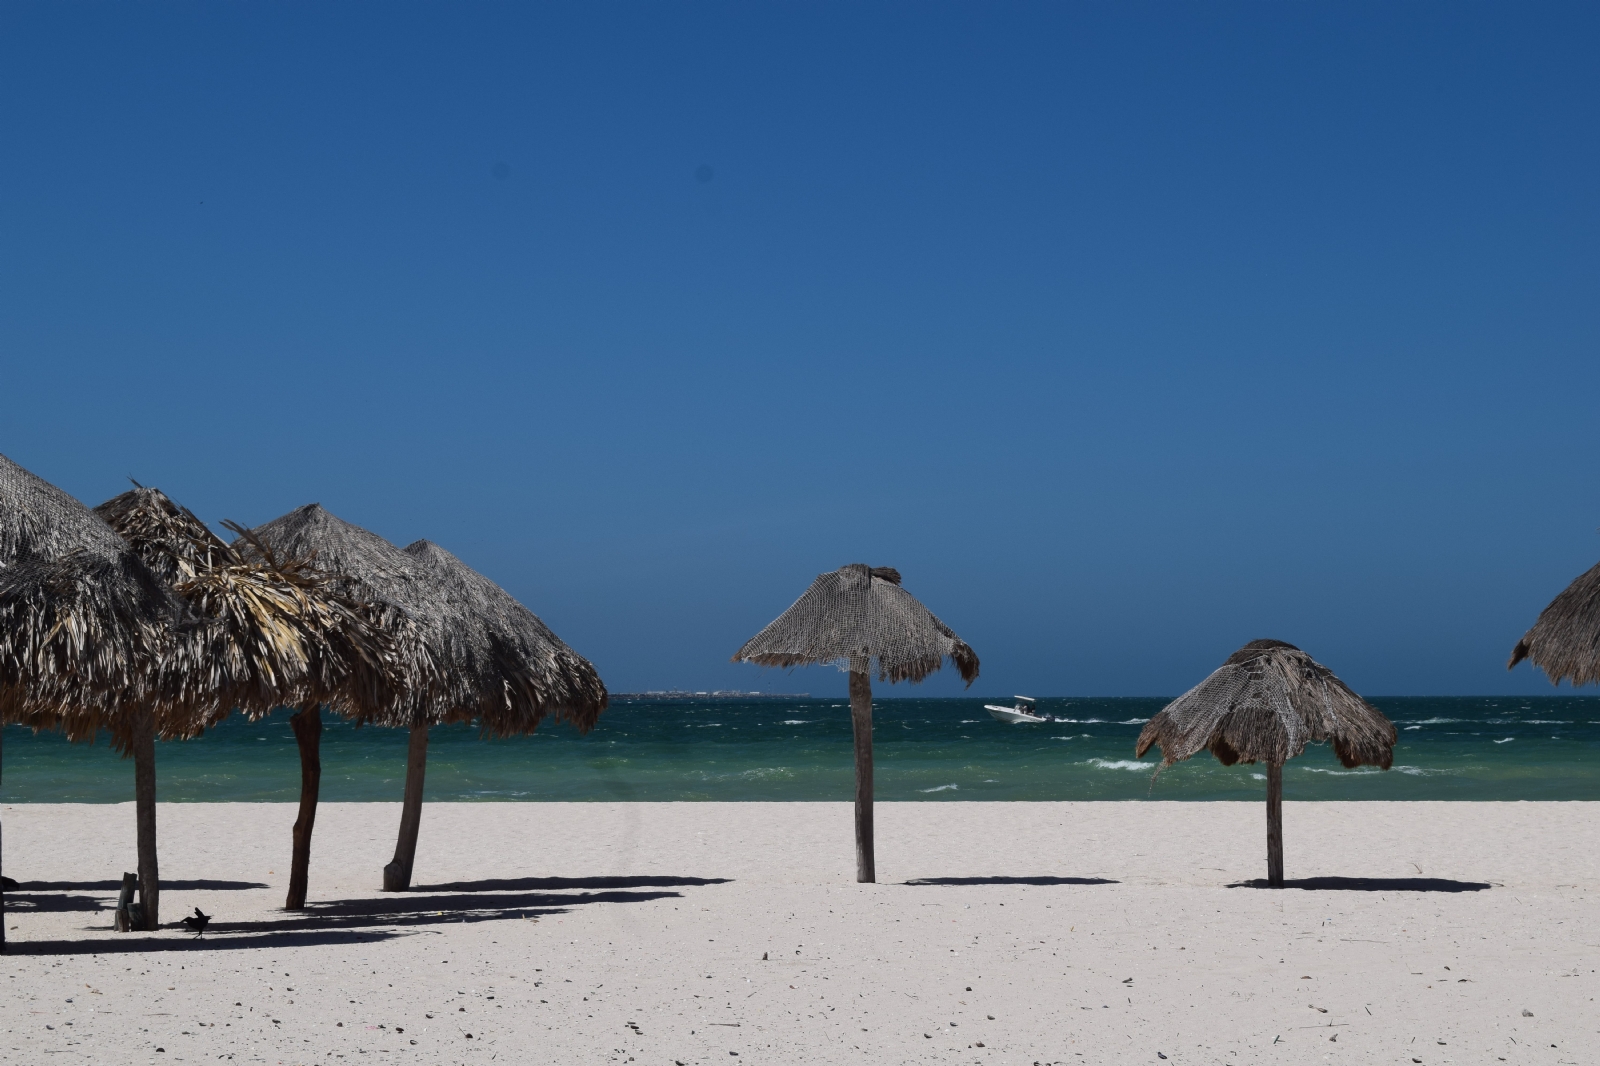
(1120,764)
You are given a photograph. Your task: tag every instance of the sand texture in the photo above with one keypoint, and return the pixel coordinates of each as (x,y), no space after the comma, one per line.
(1001,933)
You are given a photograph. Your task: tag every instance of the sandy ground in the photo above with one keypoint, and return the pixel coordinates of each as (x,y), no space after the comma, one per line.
(734,933)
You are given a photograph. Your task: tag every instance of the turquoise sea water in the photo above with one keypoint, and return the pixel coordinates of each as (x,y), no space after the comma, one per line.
(1502,748)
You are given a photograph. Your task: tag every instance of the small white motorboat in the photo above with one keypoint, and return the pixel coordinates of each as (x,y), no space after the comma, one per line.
(1018,713)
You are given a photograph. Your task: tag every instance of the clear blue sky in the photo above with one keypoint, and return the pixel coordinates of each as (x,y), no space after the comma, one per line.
(1127,332)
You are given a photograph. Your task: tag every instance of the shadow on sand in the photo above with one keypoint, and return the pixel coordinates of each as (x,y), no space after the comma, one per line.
(113,886)
(404,909)
(36,904)
(363,920)
(1373,884)
(146,942)
(1013,881)
(547,884)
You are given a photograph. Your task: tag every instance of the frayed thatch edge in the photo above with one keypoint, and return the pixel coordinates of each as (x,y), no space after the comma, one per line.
(1564,641)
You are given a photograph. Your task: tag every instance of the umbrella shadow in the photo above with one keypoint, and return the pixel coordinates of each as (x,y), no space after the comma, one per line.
(408,909)
(1372,884)
(515,884)
(130,943)
(55,904)
(923,881)
(166,886)
(346,921)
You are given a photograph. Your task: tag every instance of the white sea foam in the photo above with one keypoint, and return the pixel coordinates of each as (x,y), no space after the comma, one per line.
(1437,721)
(941,788)
(797,721)
(1259,777)
(1507,740)
(1134,721)
(1365,771)
(1545,721)
(1121,764)
(1413,727)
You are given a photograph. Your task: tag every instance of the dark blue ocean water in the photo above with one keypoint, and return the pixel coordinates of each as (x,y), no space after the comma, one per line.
(1505,748)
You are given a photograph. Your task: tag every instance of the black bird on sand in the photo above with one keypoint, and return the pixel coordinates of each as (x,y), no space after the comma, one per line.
(197,921)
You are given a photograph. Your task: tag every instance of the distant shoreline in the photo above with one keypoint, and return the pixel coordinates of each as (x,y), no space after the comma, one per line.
(720,694)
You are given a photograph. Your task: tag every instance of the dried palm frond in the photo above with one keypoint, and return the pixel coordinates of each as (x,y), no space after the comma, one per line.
(856,614)
(1565,640)
(84,625)
(1265,704)
(81,646)
(274,632)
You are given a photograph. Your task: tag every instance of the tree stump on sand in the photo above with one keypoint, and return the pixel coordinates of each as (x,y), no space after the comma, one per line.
(130,915)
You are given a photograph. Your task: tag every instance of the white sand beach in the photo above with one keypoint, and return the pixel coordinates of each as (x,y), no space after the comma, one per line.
(1000,933)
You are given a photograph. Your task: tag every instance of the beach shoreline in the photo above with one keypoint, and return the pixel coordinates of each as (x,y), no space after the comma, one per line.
(939,750)
(1426,932)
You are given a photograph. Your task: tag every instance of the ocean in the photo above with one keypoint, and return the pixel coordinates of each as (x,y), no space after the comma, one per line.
(1451,748)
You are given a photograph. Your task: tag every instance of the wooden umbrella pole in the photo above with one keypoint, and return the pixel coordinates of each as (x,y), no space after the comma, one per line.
(861,720)
(307,725)
(397,875)
(144,798)
(2,887)
(1275,824)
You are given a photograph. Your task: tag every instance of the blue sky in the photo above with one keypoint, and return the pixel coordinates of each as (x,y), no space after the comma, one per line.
(1129,333)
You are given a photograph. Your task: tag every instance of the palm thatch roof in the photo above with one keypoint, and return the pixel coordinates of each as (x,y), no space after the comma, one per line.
(1565,640)
(491,659)
(1265,704)
(84,625)
(501,662)
(854,615)
(275,632)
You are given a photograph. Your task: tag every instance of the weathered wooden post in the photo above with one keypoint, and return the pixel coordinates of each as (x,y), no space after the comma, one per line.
(861,723)
(397,875)
(144,799)
(123,922)
(1274,824)
(307,725)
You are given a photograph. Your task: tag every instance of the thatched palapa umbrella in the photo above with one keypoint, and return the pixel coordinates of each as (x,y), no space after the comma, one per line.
(852,616)
(500,666)
(494,661)
(87,638)
(1265,704)
(275,632)
(1565,639)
